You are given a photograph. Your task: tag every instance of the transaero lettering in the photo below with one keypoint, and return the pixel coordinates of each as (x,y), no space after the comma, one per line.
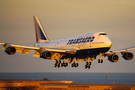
(80,40)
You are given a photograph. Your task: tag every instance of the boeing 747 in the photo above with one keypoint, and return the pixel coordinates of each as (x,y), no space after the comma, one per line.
(84,47)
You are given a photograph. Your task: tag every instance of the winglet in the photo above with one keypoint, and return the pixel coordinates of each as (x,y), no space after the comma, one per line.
(40,33)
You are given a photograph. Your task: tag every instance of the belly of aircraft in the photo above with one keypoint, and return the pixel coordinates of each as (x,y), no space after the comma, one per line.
(92,51)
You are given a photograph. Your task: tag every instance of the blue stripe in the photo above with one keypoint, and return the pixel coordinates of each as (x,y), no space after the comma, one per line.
(92,51)
(87,53)
(41,35)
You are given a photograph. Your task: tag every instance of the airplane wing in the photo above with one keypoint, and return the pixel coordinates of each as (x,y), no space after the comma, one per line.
(27,49)
(121,50)
(19,48)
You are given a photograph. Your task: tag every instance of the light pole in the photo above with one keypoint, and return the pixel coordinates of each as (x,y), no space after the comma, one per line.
(106,76)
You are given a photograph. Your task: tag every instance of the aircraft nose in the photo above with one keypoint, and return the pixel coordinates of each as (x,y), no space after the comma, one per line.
(108,43)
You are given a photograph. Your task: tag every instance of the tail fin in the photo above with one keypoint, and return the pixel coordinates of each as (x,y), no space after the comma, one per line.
(40,33)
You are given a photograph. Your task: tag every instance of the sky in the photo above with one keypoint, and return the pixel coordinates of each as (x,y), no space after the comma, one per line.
(63,19)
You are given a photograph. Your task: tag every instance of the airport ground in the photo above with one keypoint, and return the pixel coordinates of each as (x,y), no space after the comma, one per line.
(59,85)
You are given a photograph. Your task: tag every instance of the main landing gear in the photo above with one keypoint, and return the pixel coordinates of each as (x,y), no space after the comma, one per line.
(74,63)
(64,64)
(88,62)
(87,65)
(58,63)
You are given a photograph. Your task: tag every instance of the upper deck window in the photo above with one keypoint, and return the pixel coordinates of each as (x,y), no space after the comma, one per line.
(102,34)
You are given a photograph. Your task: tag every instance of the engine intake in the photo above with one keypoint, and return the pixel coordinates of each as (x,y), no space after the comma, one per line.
(46,55)
(113,58)
(10,50)
(128,56)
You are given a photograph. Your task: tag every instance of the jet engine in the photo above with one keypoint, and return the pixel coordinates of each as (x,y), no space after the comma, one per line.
(113,58)
(127,55)
(10,50)
(46,55)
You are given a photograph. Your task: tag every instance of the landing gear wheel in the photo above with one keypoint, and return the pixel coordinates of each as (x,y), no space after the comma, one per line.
(61,64)
(101,60)
(85,66)
(55,65)
(98,60)
(76,65)
(66,64)
(89,63)
(73,65)
(89,67)
(58,65)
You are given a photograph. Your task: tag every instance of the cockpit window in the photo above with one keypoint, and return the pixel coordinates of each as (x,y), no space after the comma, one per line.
(102,34)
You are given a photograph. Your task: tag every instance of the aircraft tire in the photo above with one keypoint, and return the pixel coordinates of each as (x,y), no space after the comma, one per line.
(55,65)
(98,60)
(58,65)
(62,65)
(101,60)
(89,63)
(76,64)
(66,64)
(72,65)
(89,67)
(59,61)
(85,66)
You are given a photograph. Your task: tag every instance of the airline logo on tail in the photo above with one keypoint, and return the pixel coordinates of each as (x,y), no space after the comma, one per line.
(40,33)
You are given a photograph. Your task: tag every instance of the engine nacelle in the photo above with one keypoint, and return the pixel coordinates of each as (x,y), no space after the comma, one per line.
(10,50)
(113,58)
(128,55)
(46,55)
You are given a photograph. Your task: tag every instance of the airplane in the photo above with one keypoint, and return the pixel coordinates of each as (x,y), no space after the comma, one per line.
(85,47)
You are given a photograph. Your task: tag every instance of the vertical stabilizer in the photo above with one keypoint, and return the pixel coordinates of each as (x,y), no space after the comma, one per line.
(40,33)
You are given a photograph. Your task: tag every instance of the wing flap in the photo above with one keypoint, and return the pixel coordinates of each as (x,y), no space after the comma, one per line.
(36,54)
(23,50)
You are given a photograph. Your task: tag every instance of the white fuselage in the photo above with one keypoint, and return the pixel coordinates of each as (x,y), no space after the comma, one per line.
(85,41)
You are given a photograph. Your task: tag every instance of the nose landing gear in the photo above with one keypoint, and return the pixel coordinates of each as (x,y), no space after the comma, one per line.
(100,56)
(100,61)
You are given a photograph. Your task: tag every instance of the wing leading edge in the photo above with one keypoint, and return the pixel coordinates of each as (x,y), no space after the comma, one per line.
(26,49)
(121,50)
